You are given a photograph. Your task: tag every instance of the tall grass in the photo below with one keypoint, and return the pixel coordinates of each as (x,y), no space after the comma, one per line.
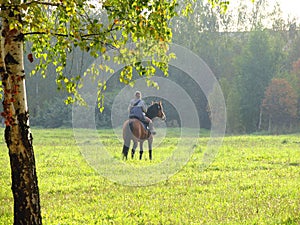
(253,180)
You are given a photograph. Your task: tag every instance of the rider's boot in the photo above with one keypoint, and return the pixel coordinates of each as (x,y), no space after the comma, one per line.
(151,128)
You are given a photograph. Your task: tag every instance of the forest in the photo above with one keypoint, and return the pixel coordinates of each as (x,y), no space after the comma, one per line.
(254,52)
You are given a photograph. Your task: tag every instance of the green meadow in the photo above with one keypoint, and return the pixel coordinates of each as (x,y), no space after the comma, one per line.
(252,180)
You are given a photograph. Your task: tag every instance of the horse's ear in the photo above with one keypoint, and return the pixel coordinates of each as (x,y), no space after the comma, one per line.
(152,103)
(160,102)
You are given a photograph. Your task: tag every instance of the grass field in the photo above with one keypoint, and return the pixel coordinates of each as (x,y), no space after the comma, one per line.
(253,180)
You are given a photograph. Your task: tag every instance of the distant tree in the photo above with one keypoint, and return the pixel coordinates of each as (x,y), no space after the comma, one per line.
(256,67)
(296,67)
(44,89)
(279,105)
(53,113)
(233,100)
(200,32)
(296,75)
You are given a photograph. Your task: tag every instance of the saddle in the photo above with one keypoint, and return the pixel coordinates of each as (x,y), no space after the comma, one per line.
(145,123)
(137,113)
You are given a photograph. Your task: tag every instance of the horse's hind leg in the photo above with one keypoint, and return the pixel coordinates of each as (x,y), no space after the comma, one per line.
(135,143)
(126,148)
(125,151)
(141,149)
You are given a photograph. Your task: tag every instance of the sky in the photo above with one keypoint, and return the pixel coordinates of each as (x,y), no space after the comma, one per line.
(290,7)
(290,10)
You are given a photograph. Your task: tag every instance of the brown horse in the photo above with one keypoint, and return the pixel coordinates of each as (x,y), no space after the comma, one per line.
(134,129)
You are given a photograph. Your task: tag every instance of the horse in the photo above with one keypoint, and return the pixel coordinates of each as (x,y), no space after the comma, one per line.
(135,130)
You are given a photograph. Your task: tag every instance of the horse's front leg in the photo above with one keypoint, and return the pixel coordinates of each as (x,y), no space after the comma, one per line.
(150,140)
(135,144)
(141,149)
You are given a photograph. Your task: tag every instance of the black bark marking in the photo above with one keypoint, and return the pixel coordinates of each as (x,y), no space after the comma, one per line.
(25,188)
(11,13)
(24,128)
(2,70)
(5,76)
(19,38)
(7,136)
(10,60)
(24,179)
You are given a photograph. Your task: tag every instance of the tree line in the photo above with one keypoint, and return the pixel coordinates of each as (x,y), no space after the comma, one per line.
(256,63)
(255,57)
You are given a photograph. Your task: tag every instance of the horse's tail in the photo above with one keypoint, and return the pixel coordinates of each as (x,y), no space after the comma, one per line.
(127,130)
(130,126)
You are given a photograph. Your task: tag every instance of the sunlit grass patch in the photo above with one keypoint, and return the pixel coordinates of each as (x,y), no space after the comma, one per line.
(252,180)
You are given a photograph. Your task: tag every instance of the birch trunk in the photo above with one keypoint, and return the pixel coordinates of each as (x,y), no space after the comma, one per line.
(17,132)
(270,124)
(260,119)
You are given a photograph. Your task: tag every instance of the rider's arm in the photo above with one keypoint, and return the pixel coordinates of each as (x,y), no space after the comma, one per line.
(130,106)
(144,106)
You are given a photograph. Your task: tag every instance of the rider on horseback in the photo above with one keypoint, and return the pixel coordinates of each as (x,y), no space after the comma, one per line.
(137,109)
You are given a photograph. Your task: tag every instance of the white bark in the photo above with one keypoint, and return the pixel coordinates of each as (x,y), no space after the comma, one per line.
(17,133)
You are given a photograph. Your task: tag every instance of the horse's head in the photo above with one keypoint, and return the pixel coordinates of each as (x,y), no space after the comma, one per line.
(156,110)
(161,113)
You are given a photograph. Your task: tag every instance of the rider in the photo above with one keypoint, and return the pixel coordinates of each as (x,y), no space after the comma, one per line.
(137,108)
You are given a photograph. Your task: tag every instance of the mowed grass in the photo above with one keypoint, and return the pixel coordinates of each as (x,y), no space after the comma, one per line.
(253,180)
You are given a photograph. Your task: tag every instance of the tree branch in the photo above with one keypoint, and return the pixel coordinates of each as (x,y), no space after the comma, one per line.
(84,37)
(68,35)
(54,34)
(41,3)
